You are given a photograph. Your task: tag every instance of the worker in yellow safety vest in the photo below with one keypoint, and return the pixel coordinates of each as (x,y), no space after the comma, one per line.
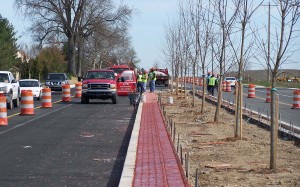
(139,81)
(152,77)
(144,80)
(212,83)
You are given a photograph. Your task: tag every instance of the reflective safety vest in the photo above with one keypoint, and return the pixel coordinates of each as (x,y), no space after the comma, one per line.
(139,79)
(144,77)
(152,76)
(212,81)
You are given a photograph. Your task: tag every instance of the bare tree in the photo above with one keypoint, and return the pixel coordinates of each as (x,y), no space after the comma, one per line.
(226,20)
(244,16)
(281,49)
(69,19)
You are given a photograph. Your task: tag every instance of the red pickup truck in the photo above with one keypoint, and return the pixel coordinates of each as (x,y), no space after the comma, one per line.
(99,84)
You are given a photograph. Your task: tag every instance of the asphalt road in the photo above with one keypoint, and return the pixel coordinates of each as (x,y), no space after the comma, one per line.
(287,114)
(71,144)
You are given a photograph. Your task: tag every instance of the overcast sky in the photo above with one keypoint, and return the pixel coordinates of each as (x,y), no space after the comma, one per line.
(147,28)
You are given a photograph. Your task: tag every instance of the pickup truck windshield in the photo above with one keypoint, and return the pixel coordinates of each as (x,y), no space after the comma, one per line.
(119,70)
(100,75)
(4,78)
(56,77)
(29,84)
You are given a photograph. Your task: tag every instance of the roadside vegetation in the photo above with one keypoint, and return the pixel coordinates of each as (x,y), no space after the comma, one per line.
(74,36)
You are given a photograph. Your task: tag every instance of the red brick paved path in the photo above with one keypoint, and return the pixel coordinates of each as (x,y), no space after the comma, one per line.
(156,162)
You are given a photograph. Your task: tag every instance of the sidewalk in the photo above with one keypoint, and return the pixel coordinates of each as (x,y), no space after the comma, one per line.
(151,160)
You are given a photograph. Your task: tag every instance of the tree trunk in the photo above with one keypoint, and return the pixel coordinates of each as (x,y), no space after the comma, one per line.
(274,126)
(71,56)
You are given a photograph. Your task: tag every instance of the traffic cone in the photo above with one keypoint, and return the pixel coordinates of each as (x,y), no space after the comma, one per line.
(46,98)
(228,87)
(296,100)
(268,98)
(27,105)
(3,110)
(66,93)
(78,89)
(251,91)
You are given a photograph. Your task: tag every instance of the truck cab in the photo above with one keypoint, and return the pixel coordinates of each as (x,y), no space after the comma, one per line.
(126,83)
(99,84)
(10,88)
(118,69)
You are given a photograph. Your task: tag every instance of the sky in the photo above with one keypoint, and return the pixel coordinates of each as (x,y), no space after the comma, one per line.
(147,29)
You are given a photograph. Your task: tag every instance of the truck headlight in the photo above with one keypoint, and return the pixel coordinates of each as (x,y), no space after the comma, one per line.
(84,86)
(113,86)
(47,83)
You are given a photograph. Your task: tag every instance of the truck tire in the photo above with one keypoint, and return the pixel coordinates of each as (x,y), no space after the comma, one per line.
(114,99)
(84,99)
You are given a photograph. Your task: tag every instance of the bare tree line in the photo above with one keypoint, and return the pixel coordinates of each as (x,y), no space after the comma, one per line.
(90,29)
(227,31)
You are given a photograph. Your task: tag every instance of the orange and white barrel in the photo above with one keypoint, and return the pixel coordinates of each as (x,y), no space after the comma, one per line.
(201,82)
(251,91)
(78,89)
(296,100)
(66,93)
(46,98)
(228,87)
(268,96)
(3,110)
(224,86)
(27,104)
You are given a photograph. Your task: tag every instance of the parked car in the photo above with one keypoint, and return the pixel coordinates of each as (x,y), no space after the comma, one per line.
(126,83)
(232,80)
(56,80)
(32,84)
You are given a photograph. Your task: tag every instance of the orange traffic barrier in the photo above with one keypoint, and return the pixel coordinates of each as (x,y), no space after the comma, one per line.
(3,110)
(223,86)
(27,106)
(228,87)
(46,98)
(251,91)
(268,97)
(201,82)
(66,93)
(296,100)
(78,89)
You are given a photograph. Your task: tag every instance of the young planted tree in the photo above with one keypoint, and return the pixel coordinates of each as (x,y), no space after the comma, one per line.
(225,22)
(247,8)
(284,34)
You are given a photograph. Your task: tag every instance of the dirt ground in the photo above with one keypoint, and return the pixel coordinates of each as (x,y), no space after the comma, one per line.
(220,159)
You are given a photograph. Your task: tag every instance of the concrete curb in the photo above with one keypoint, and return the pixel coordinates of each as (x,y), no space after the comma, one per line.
(129,165)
